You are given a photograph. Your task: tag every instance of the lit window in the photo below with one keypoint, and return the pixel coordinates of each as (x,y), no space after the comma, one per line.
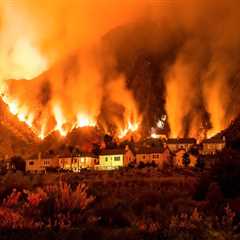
(117,158)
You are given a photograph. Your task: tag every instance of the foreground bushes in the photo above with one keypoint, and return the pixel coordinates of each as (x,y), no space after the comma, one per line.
(131,204)
(55,206)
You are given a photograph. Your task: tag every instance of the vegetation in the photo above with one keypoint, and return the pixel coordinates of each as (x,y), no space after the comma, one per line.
(131,203)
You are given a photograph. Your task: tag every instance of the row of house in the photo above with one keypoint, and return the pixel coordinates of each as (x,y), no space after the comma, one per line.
(108,159)
(115,158)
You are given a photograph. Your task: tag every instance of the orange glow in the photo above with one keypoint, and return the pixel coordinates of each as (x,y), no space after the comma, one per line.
(131,128)
(21,112)
(27,60)
(60,120)
(85,121)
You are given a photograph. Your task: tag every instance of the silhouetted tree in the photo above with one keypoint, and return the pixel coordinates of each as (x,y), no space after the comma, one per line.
(96,149)
(109,142)
(226,172)
(186,159)
(200,162)
(18,163)
(141,165)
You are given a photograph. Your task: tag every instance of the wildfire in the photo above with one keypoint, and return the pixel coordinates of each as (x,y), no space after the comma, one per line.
(131,127)
(60,120)
(85,121)
(21,112)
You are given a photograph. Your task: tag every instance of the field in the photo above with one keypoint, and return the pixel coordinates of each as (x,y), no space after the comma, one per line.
(147,203)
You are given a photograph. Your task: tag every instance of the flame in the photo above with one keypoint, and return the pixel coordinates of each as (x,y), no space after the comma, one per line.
(155,136)
(21,112)
(131,128)
(84,121)
(60,120)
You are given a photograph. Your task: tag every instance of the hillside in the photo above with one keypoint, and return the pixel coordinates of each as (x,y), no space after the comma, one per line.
(15,137)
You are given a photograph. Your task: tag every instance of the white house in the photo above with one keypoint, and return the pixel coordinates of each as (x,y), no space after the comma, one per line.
(115,158)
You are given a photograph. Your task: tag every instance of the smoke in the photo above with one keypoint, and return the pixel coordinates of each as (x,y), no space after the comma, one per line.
(57,45)
(189,49)
(201,77)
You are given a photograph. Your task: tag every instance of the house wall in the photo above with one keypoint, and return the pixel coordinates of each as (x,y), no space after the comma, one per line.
(82,162)
(211,148)
(65,163)
(128,157)
(177,146)
(111,161)
(158,158)
(39,165)
(148,157)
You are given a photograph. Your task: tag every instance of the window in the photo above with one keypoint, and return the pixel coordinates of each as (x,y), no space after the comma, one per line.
(106,159)
(31,163)
(46,162)
(117,158)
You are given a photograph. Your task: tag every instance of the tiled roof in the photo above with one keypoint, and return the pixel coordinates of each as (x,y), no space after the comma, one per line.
(149,150)
(51,156)
(213,140)
(112,151)
(181,141)
(83,154)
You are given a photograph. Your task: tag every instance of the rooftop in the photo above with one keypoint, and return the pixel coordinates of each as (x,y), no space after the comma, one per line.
(150,150)
(214,140)
(181,141)
(112,151)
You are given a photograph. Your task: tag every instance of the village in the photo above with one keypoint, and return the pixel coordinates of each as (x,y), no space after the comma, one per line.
(175,150)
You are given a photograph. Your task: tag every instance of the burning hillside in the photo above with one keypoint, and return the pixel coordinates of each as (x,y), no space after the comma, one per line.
(121,66)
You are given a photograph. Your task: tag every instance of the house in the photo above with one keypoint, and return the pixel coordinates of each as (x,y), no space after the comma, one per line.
(110,159)
(40,163)
(77,162)
(175,144)
(148,155)
(213,145)
(65,162)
